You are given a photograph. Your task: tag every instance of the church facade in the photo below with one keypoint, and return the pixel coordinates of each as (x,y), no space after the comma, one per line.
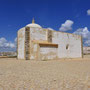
(37,43)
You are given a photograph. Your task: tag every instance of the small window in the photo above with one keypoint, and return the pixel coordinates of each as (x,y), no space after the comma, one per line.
(67,46)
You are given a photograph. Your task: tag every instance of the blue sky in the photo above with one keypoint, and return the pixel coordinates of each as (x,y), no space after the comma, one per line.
(15,14)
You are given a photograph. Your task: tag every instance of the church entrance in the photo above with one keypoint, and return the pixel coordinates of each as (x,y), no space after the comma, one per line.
(27,43)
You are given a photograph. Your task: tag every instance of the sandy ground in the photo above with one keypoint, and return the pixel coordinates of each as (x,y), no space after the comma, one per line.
(64,74)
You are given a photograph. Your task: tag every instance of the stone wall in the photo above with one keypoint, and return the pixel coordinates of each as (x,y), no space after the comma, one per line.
(27,43)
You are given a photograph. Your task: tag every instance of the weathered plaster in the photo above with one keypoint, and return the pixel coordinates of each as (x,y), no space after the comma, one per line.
(47,44)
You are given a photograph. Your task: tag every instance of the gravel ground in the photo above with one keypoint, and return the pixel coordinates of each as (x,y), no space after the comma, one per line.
(64,74)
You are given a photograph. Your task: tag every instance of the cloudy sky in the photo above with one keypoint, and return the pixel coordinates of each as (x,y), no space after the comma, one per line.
(71,16)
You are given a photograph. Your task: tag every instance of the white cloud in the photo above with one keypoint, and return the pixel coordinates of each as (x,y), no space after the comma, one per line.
(88,12)
(6,45)
(15,40)
(87,42)
(85,33)
(10,45)
(2,42)
(66,26)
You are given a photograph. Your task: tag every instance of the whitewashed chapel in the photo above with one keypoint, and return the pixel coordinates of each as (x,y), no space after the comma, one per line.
(37,43)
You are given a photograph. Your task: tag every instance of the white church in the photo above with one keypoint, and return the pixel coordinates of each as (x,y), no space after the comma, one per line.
(37,43)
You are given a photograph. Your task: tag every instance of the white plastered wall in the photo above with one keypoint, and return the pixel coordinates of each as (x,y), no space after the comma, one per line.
(37,34)
(74,45)
(48,52)
(21,44)
(62,39)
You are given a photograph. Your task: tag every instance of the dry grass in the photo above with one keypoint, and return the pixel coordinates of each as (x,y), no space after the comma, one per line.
(65,74)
